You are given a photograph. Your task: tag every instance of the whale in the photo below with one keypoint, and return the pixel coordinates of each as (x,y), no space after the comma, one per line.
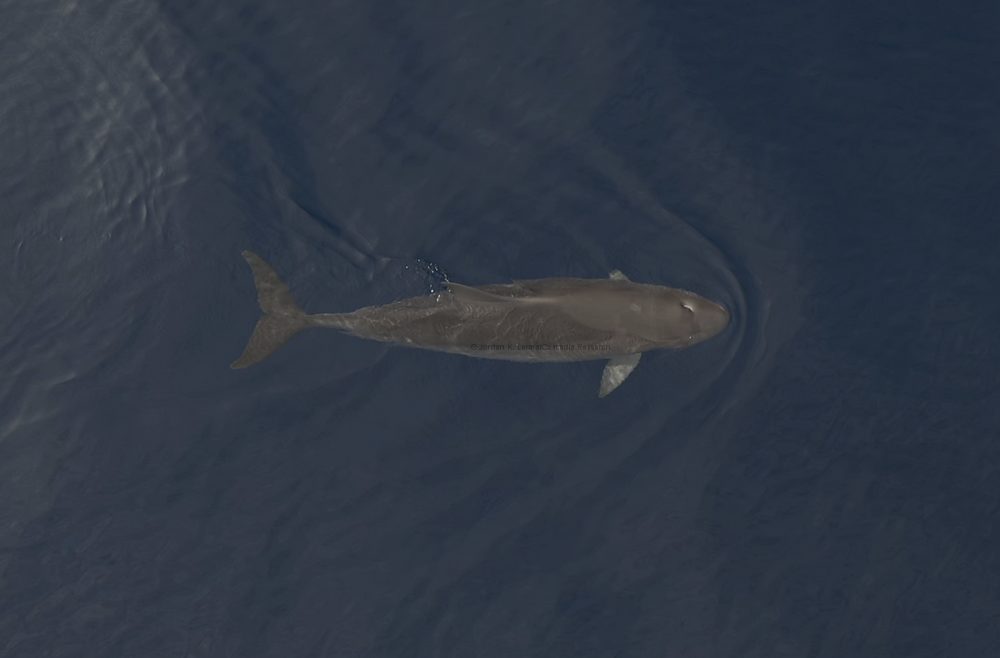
(558,319)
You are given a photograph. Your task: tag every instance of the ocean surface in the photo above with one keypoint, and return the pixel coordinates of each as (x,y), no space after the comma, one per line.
(822,480)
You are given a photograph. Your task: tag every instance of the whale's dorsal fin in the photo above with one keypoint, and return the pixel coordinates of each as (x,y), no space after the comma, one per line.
(617,370)
(470,294)
(617,275)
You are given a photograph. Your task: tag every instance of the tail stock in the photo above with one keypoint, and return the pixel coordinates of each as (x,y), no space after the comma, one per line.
(282,317)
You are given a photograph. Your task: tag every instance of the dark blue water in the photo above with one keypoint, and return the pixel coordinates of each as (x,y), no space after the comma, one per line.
(822,480)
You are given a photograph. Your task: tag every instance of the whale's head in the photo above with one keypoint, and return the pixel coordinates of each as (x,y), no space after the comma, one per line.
(678,318)
(666,317)
(707,317)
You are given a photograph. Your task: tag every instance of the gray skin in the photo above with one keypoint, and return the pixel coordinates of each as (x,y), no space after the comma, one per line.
(540,320)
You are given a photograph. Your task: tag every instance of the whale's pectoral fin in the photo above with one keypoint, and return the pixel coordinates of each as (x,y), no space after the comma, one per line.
(617,275)
(470,294)
(616,371)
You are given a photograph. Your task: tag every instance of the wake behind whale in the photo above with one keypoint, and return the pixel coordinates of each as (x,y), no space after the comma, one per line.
(539,320)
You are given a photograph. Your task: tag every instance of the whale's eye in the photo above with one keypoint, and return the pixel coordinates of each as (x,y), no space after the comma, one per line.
(688,306)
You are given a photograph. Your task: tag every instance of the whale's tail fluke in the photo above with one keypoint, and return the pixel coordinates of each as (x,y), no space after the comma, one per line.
(282,317)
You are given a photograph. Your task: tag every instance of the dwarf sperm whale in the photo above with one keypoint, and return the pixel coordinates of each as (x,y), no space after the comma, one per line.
(556,319)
